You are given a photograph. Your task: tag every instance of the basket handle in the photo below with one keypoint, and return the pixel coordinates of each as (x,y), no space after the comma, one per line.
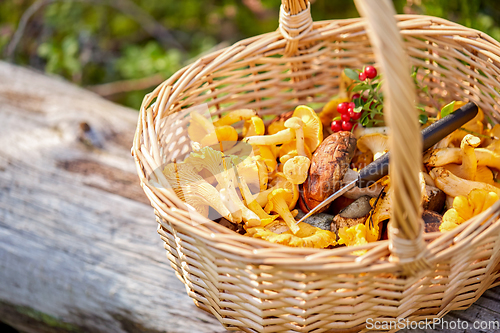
(406,227)
(407,245)
(295,22)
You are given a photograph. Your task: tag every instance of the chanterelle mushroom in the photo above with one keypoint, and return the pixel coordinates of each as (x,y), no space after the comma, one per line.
(289,150)
(296,168)
(254,170)
(225,135)
(280,137)
(234,116)
(280,181)
(253,126)
(489,157)
(278,201)
(455,186)
(469,161)
(194,190)
(307,236)
(312,128)
(469,169)
(465,207)
(253,205)
(313,131)
(213,161)
(377,143)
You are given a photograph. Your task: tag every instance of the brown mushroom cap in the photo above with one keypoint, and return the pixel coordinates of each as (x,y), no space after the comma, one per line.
(328,165)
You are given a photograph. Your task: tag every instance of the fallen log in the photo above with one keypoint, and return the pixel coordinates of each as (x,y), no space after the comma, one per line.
(79,250)
(78,244)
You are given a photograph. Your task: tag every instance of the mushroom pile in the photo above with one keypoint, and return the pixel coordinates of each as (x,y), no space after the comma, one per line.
(465,166)
(252,191)
(259,180)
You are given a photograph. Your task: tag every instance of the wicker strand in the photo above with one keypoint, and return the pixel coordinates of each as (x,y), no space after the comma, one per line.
(407,245)
(294,26)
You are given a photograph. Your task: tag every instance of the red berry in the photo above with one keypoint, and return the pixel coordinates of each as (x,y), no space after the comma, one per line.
(370,72)
(355,96)
(362,76)
(346,125)
(336,126)
(342,107)
(351,105)
(345,116)
(355,115)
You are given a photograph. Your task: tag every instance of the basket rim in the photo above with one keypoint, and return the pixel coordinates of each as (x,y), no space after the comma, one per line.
(319,32)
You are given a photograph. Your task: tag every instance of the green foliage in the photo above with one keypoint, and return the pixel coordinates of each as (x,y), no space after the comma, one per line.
(477,14)
(92,42)
(62,57)
(142,61)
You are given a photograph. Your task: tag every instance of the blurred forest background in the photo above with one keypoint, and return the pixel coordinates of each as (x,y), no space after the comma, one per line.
(122,49)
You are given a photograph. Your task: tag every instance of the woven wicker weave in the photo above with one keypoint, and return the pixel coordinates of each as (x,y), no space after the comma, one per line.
(253,285)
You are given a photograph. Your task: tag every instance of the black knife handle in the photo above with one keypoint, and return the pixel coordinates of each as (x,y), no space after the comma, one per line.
(431,135)
(441,128)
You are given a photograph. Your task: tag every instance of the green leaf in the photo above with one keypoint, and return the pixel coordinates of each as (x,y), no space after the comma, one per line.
(358,109)
(365,119)
(336,118)
(352,74)
(447,109)
(423,119)
(360,87)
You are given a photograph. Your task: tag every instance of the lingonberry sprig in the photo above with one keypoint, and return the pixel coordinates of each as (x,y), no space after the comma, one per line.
(366,103)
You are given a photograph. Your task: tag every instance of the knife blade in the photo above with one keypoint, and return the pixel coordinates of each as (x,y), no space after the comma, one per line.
(380,167)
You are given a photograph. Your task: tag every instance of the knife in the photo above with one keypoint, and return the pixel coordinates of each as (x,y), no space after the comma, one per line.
(380,167)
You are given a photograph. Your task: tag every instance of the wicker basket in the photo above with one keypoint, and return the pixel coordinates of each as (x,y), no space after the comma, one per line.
(253,285)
